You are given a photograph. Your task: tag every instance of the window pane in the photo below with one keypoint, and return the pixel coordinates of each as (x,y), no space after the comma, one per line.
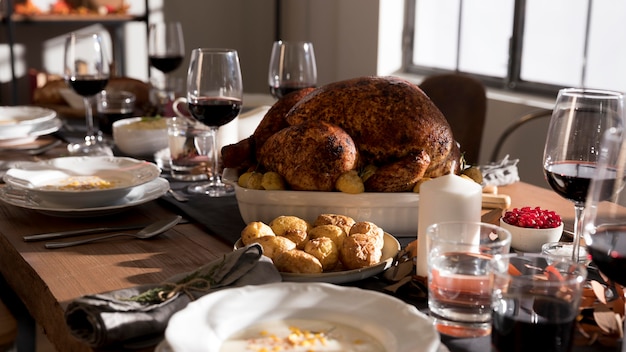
(487,26)
(436,27)
(553,42)
(606,63)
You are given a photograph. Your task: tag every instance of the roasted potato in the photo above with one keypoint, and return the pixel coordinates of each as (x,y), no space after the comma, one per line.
(274,245)
(333,232)
(255,230)
(350,182)
(298,261)
(325,250)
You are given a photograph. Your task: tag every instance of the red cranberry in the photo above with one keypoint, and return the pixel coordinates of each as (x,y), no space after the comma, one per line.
(532,218)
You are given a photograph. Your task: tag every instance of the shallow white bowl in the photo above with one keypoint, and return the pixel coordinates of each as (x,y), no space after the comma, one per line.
(207,322)
(396,213)
(21,121)
(529,239)
(47,180)
(135,137)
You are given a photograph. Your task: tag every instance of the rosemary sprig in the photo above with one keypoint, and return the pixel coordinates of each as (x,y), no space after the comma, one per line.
(199,280)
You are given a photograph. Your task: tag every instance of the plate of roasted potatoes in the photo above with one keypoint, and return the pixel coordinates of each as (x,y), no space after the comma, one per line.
(333,248)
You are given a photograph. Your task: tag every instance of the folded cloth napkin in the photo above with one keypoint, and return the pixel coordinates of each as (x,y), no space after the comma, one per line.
(129,315)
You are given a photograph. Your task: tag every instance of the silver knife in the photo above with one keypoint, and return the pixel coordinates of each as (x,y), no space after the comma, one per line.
(64,234)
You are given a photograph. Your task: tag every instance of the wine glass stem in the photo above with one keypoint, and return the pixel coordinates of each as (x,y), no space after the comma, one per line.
(578,213)
(90,136)
(217,179)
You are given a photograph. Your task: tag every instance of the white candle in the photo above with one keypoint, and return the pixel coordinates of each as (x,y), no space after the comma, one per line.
(445,198)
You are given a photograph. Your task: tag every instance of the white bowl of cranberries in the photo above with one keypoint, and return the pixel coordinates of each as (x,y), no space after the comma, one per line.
(532,227)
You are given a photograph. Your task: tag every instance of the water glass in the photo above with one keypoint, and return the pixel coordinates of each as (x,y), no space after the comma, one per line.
(190,147)
(536,298)
(459,282)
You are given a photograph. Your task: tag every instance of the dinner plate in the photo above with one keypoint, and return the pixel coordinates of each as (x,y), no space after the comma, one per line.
(24,121)
(207,322)
(81,182)
(391,248)
(138,195)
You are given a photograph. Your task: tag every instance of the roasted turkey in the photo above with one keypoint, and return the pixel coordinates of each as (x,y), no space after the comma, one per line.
(393,125)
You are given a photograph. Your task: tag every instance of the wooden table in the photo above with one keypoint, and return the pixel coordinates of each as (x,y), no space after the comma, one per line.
(47,280)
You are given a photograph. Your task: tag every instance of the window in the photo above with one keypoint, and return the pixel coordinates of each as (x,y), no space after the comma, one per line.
(527,45)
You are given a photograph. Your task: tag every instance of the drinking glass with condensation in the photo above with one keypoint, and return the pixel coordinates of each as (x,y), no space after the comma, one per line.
(459,275)
(536,299)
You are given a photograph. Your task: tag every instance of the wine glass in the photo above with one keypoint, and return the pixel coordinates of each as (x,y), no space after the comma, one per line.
(604,222)
(214,98)
(292,67)
(166,50)
(579,120)
(166,47)
(86,71)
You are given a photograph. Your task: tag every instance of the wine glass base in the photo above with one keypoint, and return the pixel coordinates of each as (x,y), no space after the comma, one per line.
(91,149)
(212,189)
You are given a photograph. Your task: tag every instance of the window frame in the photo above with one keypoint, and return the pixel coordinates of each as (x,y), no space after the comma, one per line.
(512,82)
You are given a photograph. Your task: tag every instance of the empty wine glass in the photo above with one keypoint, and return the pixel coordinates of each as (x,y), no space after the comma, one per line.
(292,67)
(214,97)
(86,71)
(572,149)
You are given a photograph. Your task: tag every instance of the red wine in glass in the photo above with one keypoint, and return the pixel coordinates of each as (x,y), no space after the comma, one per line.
(571,180)
(286,88)
(167,63)
(608,252)
(548,320)
(87,86)
(214,111)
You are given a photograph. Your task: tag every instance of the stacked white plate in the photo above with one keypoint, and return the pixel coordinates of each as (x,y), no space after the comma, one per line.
(82,186)
(23,124)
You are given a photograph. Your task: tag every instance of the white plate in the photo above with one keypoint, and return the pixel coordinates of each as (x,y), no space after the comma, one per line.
(22,121)
(391,247)
(46,179)
(204,324)
(138,195)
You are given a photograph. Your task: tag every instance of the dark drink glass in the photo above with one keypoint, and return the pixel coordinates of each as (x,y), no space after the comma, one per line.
(292,67)
(214,98)
(86,71)
(579,119)
(535,302)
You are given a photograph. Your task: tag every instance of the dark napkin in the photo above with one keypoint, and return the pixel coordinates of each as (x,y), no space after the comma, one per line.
(219,215)
(111,318)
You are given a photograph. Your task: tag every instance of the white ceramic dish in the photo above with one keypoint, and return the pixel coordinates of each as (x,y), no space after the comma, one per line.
(20,119)
(529,239)
(391,247)
(138,195)
(29,132)
(139,139)
(204,324)
(73,181)
(393,212)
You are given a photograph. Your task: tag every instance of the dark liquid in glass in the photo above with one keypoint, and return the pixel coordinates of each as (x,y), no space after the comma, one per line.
(286,88)
(87,86)
(533,323)
(215,112)
(608,252)
(106,119)
(571,180)
(166,64)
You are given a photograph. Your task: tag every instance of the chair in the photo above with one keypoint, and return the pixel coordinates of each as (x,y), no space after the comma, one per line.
(463,101)
(524,119)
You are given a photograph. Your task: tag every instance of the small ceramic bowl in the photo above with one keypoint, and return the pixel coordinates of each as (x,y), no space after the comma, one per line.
(565,249)
(138,136)
(530,239)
